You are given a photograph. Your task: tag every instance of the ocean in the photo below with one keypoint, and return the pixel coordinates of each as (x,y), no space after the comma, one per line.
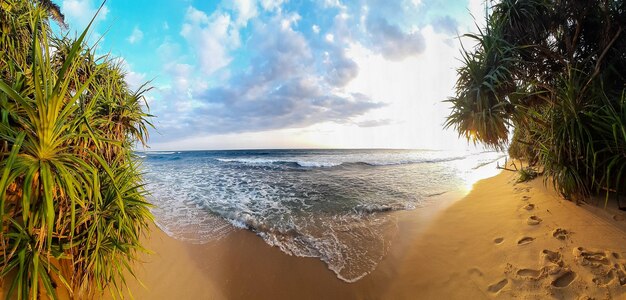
(336,205)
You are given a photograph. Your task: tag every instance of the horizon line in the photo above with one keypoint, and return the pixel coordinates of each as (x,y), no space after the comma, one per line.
(282,149)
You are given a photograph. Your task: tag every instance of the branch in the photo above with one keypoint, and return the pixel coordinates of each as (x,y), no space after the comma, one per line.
(606,50)
(506,169)
(597,68)
(575,39)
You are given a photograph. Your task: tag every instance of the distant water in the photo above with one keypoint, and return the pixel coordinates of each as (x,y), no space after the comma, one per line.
(331,204)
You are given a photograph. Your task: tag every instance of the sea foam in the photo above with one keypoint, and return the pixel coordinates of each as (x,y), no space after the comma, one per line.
(336,205)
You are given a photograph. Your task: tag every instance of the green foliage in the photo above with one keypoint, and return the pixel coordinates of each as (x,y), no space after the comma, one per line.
(72,204)
(527,174)
(552,72)
(609,124)
(522,148)
(480,113)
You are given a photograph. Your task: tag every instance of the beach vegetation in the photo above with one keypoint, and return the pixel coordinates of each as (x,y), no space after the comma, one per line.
(550,73)
(527,174)
(72,202)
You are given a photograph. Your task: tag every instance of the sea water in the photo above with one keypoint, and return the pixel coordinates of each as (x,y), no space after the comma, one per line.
(336,205)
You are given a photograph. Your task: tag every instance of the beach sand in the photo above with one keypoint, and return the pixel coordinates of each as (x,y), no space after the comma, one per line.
(502,240)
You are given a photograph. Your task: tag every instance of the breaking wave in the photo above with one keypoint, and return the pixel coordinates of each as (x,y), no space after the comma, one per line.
(336,205)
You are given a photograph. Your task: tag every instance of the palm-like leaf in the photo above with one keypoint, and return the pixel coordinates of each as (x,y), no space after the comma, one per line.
(72,205)
(551,69)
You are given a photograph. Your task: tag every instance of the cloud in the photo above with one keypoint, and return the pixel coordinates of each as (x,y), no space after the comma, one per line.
(168,51)
(263,65)
(196,16)
(79,13)
(340,69)
(245,10)
(334,3)
(211,38)
(392,42)
(290,20)
(445,24)
(477,9)
(135,36)
(132,78)
(374,123)
(281,88)
(272,5)
(135,80)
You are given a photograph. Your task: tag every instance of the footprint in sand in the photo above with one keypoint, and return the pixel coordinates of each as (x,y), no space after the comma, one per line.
(564,280)
(560,234)
(599,263)
(553,264)
(529,273)
(619,218)
(496,287)
(604,279)
(621,275)
(551,256)
(593,258)
(498,241)
(525,198)
(533,220)
(530,206)
(475,272)
(525,240)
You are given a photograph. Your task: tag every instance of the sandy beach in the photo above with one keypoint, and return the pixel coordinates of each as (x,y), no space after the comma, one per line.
(312,149)
(502,240)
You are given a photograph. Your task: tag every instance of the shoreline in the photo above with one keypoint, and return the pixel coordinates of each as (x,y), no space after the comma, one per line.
(242,265)
(453,248)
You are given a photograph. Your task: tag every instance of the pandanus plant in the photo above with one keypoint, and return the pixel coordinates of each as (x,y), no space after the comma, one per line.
(551,72)
(72,202)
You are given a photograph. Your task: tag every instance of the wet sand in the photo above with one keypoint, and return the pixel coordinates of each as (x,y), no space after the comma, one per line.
(502,240)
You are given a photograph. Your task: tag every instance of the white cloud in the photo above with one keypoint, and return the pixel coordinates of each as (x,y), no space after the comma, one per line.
(136,36)
(414,90)
(393,42)
(196,16)
(180,73)
(273,139)
(212,38)
(334,3)
(279,88)
(135,80)
(272,5)
(168,51)
(477,10)
(78,13)
(245,10)
(166,26)
(374,77)
(290,20)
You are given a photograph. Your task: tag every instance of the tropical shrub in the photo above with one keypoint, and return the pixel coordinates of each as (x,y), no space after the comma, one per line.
(552,73)
(527,174)
(71,199)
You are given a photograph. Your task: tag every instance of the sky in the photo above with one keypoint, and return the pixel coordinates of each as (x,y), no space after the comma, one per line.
(252,74)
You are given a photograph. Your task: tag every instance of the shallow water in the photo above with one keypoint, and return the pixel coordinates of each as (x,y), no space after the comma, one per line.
(331,204)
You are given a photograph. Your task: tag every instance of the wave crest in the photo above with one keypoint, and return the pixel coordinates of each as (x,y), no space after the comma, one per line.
(330,164)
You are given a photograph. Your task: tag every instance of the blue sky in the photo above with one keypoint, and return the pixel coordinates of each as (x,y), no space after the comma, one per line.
(288,74)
